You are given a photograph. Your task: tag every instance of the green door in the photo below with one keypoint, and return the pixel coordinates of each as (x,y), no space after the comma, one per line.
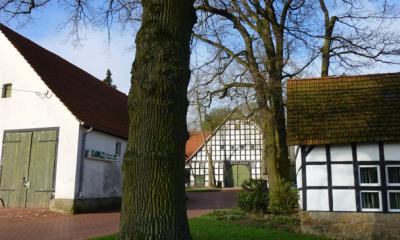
(15,161)
(199,181)
(28,168)
(236,174)
(243,173)
(41,169)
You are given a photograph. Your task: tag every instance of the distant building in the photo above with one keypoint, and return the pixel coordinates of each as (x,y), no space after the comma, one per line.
(64,131)
(236,151)
(347,134)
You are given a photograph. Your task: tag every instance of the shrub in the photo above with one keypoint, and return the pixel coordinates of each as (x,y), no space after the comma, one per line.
(230,214)
(254,197)
(283,199)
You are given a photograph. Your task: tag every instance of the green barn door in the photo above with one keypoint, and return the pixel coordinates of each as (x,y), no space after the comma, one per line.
(199,181)
(243,173)
(41,169)
(236,174)
(27,171)
(15,160)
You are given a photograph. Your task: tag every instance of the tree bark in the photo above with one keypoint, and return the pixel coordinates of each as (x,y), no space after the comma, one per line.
(153,204)
(326,48)
(275,150)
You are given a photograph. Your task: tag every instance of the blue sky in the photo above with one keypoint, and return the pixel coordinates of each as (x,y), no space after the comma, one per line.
(94,54)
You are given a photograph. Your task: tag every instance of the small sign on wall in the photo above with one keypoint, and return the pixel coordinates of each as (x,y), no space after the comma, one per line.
(99,155)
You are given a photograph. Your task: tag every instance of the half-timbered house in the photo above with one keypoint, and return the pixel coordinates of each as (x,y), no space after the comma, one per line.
(347,133)
(235,148)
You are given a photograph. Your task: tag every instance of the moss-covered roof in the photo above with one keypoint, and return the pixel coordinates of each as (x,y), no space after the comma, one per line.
(344,109)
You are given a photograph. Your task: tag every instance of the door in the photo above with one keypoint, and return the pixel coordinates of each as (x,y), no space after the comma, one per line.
(199,181)
(28,163)
(236,174)
(41,169)
(15,161)
(243,173)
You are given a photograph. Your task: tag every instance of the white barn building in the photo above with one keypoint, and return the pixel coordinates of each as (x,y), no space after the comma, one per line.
(64,132)
(236,151)
(347,133)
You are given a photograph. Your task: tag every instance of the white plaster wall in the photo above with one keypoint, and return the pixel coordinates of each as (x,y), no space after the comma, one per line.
(102,178)
(392,151)
(27,110)
(341,153)
(344,200)
(317,154)
(342,175)
(317,200)
(299,175)
(316,175)
(368,152)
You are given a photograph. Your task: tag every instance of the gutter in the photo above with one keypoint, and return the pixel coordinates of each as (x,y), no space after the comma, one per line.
(82,159)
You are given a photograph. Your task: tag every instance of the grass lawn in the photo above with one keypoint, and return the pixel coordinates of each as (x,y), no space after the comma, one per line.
(213,226)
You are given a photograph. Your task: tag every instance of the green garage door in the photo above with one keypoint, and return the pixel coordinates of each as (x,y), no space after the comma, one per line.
(28,163)
(199,181)
(236,174)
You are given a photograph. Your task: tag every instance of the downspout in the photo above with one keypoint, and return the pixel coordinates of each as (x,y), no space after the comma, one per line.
(82,160)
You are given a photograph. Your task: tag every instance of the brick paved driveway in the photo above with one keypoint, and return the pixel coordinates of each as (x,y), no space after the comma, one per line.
(43,224)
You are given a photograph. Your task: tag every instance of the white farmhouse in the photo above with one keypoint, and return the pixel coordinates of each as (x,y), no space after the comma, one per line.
(235,148)
(64,132)
(347,133)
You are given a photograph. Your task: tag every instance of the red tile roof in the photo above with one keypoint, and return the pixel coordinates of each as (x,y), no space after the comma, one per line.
(89,99)
(194,142)
(345,109)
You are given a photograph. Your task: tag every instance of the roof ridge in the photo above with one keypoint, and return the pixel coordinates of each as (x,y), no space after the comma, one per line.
(345,76)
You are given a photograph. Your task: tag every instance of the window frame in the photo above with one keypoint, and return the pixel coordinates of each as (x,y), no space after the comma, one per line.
(378,184)
(371,209)
(387,174)
(118,148)
(4,91)
(388,200)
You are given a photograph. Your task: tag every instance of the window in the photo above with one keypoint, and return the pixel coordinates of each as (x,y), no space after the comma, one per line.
(370,200)
(118,146)
(369,175)
(6,90)
(222,147)
(242,147)
(393,175)
(233,147)
(394,201)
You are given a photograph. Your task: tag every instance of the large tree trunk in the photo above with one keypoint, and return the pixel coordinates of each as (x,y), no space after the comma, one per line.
(275,149)
(153,205)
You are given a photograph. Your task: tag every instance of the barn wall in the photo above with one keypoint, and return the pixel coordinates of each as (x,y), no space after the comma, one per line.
(102,178)
(235,142)
(336,167)
(29,110)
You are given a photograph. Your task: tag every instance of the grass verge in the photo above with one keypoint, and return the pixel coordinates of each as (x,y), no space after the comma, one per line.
(236,225)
